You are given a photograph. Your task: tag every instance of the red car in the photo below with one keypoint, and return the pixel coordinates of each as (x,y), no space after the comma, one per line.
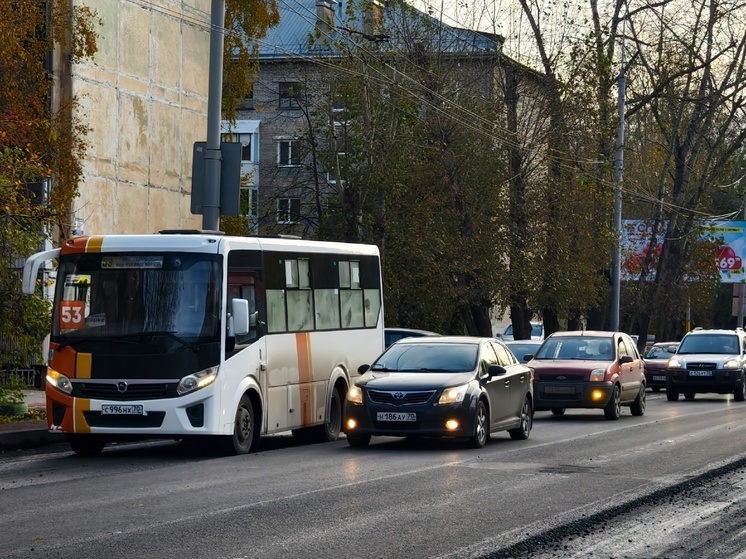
(656,363)
(589,369)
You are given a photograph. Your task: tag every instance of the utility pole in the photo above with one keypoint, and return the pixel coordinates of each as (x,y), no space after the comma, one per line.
(213,157)
(616,256)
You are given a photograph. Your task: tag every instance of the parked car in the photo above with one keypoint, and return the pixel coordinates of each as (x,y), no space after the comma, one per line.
(589,369)
(537,332)
(392,335)
(655,361)
(523,348)
(447,386)
(708,361)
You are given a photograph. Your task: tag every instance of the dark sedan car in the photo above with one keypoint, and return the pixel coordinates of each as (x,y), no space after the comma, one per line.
(655,362)
(443,386)
(523,348)
(392,335)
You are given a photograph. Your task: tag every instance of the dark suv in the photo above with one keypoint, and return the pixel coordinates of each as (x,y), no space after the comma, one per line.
(708,361)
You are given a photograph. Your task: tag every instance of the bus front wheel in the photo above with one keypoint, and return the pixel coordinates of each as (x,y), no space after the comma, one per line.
(244,430)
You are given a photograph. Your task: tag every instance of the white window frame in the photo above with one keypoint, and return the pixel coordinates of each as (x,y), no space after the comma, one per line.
(287,212)
(293,145)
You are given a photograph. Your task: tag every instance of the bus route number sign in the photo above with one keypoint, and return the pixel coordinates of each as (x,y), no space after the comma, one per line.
(72,315)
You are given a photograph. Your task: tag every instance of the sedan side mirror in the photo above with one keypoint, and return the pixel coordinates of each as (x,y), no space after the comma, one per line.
(625,359)
(528,357)
(496,370)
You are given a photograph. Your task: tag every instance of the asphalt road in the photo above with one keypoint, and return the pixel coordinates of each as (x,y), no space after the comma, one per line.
(581,486)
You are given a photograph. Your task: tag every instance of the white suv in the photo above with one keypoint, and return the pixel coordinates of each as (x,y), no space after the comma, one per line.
(708,361)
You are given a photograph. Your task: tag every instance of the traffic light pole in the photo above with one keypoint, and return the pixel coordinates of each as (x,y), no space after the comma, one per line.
(211,203)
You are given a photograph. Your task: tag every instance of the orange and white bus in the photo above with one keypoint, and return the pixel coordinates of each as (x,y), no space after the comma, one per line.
(184,334)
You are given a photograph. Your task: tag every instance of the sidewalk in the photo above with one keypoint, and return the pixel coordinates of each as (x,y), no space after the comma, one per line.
(28,434)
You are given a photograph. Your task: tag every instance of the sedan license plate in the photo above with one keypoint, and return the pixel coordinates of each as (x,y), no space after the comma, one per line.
(122,409)
(559,390)
(659,377)
(700,373)
(396,416)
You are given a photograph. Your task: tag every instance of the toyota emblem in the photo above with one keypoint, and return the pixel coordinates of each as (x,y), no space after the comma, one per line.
(398,395)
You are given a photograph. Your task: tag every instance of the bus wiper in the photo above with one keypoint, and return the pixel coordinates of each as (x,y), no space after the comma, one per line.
(194,347)
(72,342)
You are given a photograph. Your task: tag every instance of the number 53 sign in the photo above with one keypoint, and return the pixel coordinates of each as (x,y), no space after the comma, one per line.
(72,315)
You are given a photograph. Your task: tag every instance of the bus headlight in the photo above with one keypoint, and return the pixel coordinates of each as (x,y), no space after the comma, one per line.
(195,381)
(59,381)
(355,395)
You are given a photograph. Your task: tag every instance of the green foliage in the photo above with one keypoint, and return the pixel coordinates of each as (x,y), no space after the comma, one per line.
(35,144)
(11,391)
(247,21)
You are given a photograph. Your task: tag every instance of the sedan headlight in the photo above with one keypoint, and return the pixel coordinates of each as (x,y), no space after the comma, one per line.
(59,381)
(598,375)
(196,381)
(355,395)
(731,364)
(453,395)
(674,364)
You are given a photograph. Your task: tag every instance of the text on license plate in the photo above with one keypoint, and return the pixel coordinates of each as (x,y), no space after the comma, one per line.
(396,416)
(122,409)
(659,377)
(559,390)
(700,373)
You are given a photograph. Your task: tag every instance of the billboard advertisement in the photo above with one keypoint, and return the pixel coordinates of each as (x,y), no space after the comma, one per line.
(729,256)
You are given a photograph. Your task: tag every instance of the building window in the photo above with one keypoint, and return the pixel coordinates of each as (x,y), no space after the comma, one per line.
(246,142)
(289,95)
(249,205)
(247,104)
(288,210)
(288,153)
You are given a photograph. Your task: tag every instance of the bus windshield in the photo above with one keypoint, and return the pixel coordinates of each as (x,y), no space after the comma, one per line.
(138,297)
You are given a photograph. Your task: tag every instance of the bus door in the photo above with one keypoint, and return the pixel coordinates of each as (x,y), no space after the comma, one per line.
(247,354)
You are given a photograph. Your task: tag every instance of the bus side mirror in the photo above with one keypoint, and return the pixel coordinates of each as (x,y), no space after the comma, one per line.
(240,316)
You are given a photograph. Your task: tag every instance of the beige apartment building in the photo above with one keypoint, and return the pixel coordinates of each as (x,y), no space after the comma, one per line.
(144,97)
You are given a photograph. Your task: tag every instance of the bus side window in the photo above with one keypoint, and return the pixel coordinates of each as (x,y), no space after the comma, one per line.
(243,286)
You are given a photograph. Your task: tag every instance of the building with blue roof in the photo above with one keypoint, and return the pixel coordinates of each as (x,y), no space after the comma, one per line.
(300,61)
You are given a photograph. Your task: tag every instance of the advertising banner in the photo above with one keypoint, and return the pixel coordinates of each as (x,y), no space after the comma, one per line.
(729,257)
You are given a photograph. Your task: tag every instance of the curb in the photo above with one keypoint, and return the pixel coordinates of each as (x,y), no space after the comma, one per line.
(29,438)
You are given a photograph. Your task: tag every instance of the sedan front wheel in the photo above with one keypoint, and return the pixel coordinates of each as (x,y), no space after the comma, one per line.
(481,427)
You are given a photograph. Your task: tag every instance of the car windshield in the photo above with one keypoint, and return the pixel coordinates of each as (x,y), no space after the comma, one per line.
(577,348)
(710,343)
(660,352)
(426,357)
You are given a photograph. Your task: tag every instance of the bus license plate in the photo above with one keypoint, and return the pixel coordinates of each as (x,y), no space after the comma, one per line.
(700,373)
(396,416)
(122,409)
